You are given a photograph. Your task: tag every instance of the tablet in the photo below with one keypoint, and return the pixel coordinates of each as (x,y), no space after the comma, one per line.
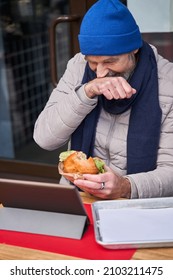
(41,196)
(42,208)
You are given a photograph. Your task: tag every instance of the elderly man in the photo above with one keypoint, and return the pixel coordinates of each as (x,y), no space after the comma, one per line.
(115,101)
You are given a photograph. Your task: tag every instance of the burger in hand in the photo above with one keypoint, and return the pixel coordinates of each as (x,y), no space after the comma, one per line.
(73,164)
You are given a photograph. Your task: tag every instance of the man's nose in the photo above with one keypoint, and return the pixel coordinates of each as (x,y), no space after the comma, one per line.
(101,71)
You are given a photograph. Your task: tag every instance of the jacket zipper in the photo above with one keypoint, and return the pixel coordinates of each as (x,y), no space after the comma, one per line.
(109,137)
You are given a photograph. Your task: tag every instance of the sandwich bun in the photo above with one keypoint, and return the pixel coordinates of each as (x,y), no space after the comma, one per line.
(78,163)
(73,164)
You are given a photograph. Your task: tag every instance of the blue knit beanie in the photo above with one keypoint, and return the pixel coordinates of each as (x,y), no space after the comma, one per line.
(108,28)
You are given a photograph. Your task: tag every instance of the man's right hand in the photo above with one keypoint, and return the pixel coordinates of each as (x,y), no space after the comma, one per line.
(110,87)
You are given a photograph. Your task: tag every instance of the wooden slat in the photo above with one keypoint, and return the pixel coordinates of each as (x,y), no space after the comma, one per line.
(8,252)
(154,254)
(14,169)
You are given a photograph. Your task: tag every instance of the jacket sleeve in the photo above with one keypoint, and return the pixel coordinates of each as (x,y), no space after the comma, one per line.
(66,108)
(159,182)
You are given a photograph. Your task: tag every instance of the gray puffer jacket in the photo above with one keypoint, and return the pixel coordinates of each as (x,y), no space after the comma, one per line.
(68,106)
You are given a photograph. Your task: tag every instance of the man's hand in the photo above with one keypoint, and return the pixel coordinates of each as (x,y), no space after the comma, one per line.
(110,87)
(115,186)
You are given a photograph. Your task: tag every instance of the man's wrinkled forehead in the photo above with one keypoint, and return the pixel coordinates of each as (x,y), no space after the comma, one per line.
(102,59)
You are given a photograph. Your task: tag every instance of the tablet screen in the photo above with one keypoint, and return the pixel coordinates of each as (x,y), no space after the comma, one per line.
(41,196)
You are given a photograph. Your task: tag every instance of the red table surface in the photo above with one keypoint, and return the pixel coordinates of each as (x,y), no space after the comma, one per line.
(86,248)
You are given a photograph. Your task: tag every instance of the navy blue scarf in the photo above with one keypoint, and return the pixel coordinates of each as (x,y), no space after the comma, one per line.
(145,118)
